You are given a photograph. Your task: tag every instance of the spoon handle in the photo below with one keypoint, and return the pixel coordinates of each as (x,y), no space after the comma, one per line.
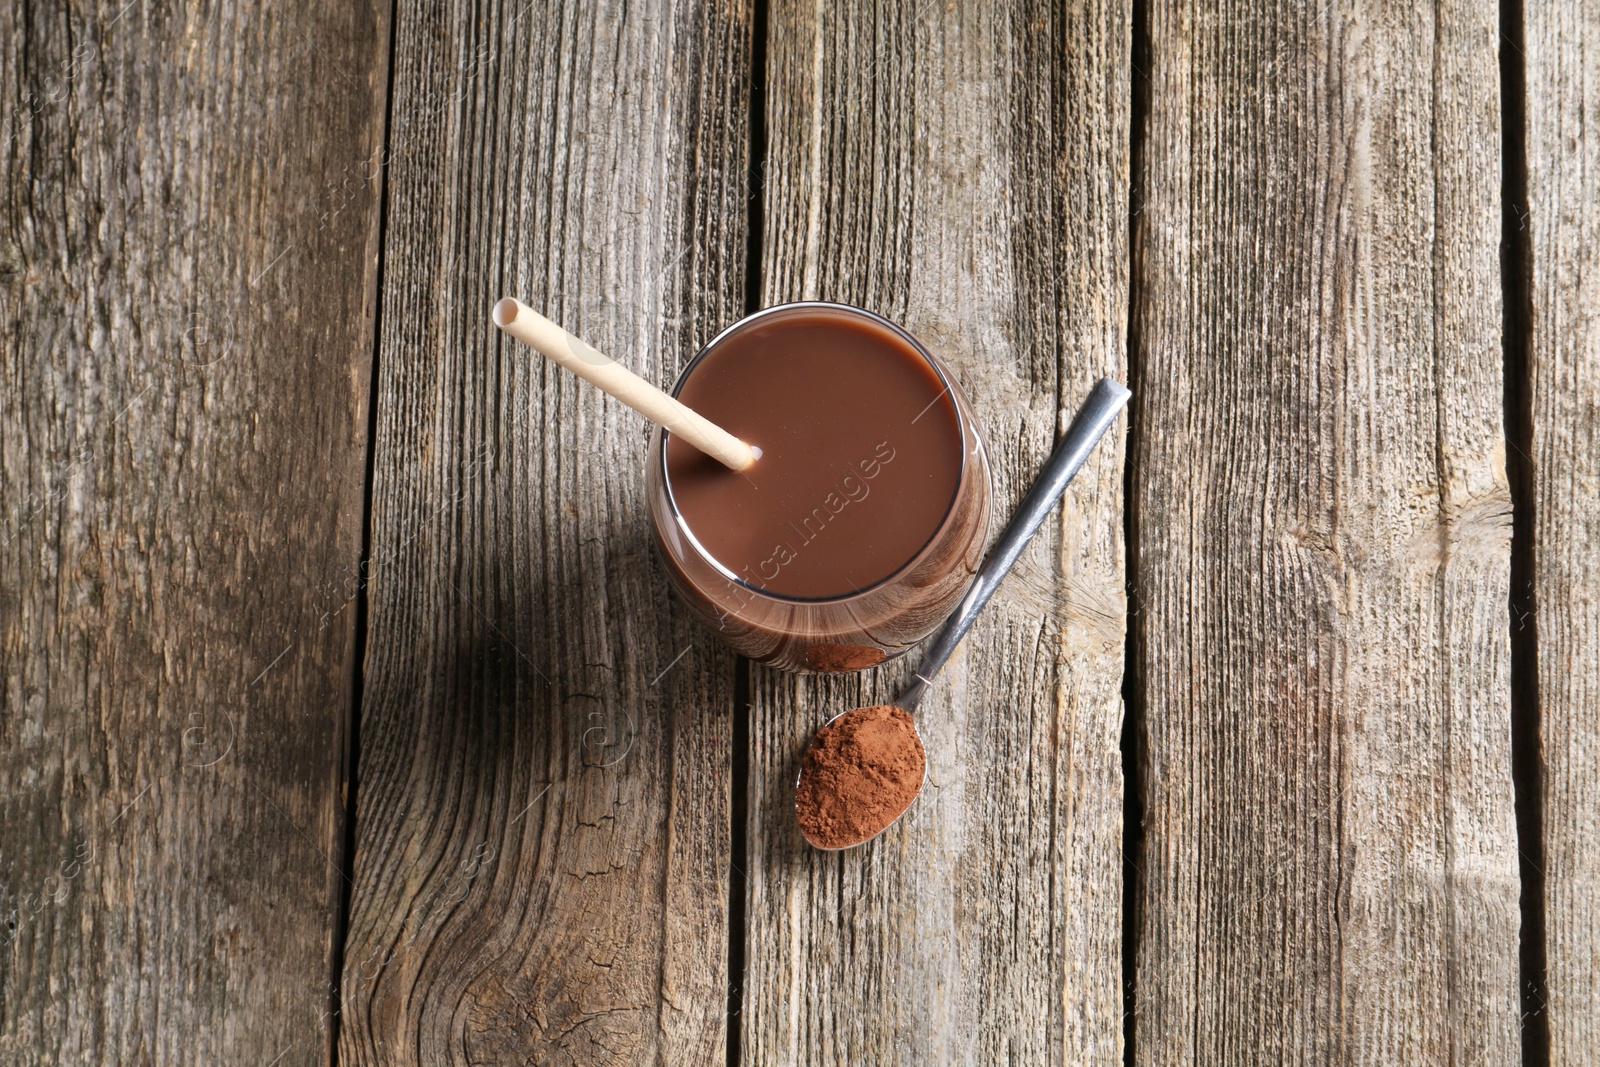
(1089,425)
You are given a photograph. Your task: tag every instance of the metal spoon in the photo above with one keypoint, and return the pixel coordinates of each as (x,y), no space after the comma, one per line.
(1090,424)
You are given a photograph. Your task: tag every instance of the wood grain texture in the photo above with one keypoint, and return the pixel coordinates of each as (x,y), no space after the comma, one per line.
(186,274)
(962,169)
(542,811)
(1329,866)
(1562,52)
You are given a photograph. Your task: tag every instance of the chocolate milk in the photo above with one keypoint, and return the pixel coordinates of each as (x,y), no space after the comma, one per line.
(861,455)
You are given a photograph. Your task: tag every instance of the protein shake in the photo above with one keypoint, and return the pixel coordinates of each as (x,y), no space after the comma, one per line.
(862,522)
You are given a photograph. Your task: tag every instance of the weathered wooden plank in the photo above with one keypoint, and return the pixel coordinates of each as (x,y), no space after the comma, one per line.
(1323,525)
(1561,53)
(186,277)
(543,813)
(961,168)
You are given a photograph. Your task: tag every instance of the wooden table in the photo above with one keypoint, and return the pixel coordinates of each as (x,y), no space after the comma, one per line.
(347,714)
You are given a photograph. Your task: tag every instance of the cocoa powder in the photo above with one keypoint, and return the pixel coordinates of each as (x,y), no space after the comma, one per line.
(861,771)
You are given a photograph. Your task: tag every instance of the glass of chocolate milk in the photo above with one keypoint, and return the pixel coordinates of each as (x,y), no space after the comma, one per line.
(863,521)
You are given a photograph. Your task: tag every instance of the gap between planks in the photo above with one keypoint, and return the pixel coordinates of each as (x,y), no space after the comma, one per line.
(739,784)
(352,730)
(1132,680)
(1516,263)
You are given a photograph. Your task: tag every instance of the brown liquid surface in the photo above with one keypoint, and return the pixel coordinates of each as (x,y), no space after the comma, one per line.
(861,454)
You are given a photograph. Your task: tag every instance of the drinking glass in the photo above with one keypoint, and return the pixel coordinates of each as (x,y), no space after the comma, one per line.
(841,633)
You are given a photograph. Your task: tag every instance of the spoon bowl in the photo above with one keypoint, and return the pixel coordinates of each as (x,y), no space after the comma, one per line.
(826,820)
(878,763)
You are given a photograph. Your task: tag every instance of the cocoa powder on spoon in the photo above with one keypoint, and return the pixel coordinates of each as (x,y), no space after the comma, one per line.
(862,770)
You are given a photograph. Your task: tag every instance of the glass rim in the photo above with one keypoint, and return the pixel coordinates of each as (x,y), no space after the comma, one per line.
(963,428)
